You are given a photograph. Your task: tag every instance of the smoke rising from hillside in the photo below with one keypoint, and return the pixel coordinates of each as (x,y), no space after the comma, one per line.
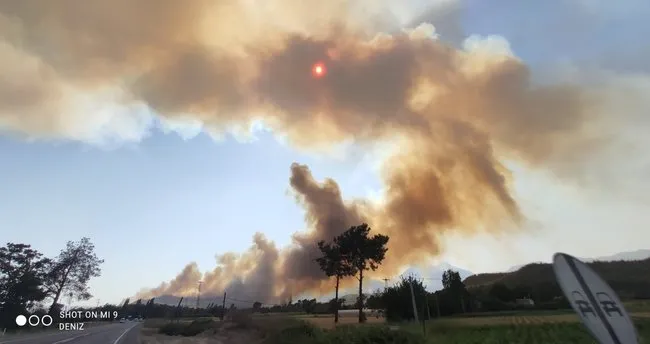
(228,63)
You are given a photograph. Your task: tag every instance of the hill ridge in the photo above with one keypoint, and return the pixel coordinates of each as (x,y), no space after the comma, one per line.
(629,278)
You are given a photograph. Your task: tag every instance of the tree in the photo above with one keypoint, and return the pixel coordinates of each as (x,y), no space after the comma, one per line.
(256,306)
(397,299)
(308,305)
(334,305)
(375,301)
(72,270)
(22,273)
(453,286)
(333,263)
(451,280)
(362,252)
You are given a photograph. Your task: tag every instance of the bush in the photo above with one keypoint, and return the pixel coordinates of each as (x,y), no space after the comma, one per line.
(371,334)
(197,326)
(186,330)
(172,329)
(303,333)
(241,319)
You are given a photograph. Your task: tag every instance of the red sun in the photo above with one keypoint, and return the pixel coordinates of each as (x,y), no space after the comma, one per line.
(318,70)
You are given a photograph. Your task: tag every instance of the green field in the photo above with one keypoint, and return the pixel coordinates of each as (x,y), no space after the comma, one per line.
(533,333)
(522,327)
(557,327)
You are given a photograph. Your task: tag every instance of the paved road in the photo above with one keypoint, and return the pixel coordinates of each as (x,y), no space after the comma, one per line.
(120,333)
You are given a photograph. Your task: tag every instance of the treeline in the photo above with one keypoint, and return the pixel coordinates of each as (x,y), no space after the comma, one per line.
(356,251)
(31,282)
(409,297)
(148,309)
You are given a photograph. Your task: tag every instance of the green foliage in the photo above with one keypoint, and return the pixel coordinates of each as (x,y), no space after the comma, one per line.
(332,261)
(451,280)
(371,334)
(558,333)
(301,332)
(172,329)
(352,252)
(362,252)
(397,300)
(375,300)
(23,271)
(72,270)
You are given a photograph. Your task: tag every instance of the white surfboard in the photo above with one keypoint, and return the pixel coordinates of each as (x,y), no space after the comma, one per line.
(597,305)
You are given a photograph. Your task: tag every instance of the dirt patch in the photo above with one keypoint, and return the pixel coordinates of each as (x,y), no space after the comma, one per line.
(226,333)
(327,322)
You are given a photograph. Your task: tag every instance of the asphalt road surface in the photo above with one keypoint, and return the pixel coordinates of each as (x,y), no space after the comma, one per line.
(120,333)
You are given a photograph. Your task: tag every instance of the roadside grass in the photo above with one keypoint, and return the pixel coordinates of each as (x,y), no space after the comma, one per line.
(532,328)
(534,333)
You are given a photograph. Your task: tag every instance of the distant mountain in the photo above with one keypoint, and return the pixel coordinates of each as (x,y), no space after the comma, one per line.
(627,256)
(631,255)
(629,278)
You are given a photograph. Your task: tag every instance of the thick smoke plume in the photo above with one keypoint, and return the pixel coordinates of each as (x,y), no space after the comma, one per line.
(446,111)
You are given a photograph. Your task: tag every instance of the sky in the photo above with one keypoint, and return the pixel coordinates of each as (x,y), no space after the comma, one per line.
(162,196)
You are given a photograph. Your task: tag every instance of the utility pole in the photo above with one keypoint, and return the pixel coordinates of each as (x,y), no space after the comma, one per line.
(198,295)
(436,295)
(223,306)
(415,309)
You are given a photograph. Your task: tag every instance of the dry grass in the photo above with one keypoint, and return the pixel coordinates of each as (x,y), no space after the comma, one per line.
(220,333)
(231,332)
(327,321)
(155,338)
(520,319)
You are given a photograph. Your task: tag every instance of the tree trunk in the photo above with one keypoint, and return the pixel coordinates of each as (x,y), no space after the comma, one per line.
(361,318)
(64,280)
(56,300)
(336,301)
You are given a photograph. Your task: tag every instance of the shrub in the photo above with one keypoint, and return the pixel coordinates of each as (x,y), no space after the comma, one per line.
(186,330)
(197,326)
(172,329)
(302,332)
(241,319)
(372,334)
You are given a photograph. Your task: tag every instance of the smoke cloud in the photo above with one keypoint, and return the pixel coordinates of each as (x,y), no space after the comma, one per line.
(453,115)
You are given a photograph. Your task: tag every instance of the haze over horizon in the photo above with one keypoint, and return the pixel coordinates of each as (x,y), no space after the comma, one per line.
(172,133)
